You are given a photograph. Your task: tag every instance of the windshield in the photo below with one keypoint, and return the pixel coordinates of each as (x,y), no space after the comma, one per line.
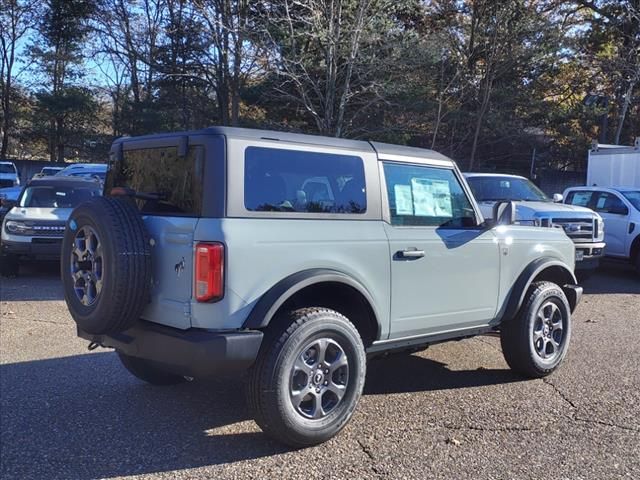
(492,189)
(56,197)
(634,198)
(7,168)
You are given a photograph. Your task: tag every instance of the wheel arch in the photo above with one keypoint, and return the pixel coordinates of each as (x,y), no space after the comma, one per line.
(319,288)
(546,268)
(634,251)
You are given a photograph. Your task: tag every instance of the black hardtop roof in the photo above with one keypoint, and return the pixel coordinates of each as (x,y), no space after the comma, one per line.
(255,134)
(55,181)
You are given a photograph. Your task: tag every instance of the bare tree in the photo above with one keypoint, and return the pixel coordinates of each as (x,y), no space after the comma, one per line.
(228,56)
(16,18)
(621,21)
(128,32)
(318,50)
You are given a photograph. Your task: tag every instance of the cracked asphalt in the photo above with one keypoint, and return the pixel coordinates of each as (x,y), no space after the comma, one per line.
(452,411)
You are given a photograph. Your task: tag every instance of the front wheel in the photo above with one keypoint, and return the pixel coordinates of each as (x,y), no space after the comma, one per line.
(308,378)
(535,342)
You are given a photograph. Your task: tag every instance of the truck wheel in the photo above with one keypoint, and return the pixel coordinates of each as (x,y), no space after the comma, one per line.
(536,340)
(637,262)
(149,371)
(9,265)
(106,265)
(308,378)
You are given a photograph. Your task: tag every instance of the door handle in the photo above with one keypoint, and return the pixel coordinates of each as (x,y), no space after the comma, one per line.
(411,253)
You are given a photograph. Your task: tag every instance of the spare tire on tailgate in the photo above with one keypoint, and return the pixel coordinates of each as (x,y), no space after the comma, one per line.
(106,265)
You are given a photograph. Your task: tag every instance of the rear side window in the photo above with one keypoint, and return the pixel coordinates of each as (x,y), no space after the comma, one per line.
(172,183)
(278,180)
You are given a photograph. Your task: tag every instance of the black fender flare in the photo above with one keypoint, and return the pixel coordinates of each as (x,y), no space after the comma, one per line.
(635,248)
(267,306)
(519,289)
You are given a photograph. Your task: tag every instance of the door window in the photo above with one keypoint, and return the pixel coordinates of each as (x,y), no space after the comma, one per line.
(579,198)
(427,196)
(610,203)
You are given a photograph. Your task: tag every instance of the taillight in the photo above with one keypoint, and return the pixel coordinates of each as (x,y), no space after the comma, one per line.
(209,272)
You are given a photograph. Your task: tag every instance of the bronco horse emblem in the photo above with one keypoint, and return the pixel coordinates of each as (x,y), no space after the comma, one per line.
(179,267)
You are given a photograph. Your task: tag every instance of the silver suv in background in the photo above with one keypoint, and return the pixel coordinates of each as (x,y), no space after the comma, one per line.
(294,258)
(533,207)
(620,208)
(34,225)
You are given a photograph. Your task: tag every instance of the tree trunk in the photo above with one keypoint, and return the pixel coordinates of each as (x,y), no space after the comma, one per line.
(626,102)
(481,113)
(59,142)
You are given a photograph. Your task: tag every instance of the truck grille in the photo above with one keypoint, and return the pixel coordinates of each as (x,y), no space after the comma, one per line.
(47,229)
(577,228)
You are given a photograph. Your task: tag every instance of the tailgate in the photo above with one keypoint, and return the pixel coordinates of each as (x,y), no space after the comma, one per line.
(172,256)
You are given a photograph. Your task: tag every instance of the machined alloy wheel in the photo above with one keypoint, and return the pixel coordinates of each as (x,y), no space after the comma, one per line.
(319,378)
(548,331)
(87,265)
(536,340)
(106,265)
(308,377)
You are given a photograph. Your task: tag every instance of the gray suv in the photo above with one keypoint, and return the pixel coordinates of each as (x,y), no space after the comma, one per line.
(296,258)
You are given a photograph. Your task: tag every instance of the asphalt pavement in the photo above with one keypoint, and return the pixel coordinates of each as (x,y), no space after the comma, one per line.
(454,411)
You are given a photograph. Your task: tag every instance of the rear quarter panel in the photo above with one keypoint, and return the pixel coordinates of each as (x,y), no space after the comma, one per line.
(261,252)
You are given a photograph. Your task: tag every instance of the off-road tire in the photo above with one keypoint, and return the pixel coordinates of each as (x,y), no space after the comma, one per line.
(148,371)
(9,265)
(517,334)
(271,377)
(125,265)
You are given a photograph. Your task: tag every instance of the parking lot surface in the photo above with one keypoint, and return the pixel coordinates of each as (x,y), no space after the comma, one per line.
(452,411)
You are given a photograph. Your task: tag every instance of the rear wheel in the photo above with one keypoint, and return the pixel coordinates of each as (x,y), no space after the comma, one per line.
(149,371)
(535,342)
(308,378)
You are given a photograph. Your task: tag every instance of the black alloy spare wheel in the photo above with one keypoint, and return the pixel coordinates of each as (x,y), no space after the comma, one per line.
(106,265)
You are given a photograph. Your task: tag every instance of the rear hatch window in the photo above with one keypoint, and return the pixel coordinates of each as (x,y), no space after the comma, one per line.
(167,183)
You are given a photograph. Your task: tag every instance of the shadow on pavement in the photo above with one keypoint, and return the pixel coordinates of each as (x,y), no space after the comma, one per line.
(36,281)
(84,416)
(613,277)
(423,375)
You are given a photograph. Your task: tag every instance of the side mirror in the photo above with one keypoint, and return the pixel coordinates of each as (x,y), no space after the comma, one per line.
(504,213)
(558,198)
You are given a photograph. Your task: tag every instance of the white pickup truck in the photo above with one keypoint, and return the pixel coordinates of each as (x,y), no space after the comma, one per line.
(533,207)
(620,209)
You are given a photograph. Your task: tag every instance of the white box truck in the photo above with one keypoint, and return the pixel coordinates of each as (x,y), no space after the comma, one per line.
(614,165)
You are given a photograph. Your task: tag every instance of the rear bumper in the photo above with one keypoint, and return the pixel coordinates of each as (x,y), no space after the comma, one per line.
(34,247)
(193,352)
